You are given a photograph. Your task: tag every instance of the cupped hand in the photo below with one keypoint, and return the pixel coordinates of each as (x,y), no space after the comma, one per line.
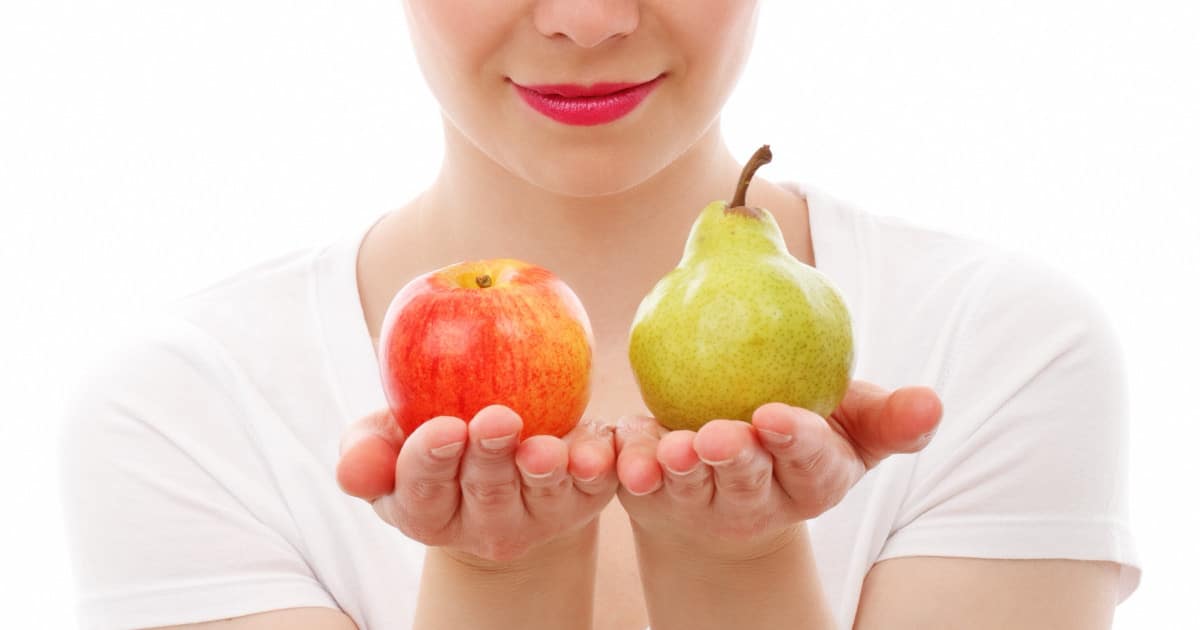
(733,485)
(472,487)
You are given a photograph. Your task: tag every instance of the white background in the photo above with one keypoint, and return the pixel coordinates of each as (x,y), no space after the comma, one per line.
(147,148)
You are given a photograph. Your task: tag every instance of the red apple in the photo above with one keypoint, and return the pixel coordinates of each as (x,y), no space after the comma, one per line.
(476,333)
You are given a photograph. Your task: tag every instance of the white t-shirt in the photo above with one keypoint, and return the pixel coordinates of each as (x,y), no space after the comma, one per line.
(198,455)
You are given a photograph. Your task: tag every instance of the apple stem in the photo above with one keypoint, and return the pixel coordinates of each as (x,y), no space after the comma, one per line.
(760,157)
(483,281)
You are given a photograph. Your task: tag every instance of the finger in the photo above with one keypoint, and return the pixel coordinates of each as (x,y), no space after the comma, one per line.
(879,423)
(812,461)
(592,459)
(637,464)
(368,449)
(688,481)
(427,493)
(741,467)
(542,461)
(490,482)
(919,411)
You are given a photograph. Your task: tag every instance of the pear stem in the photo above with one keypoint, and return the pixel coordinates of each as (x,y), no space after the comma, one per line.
(483,281)
(760,157)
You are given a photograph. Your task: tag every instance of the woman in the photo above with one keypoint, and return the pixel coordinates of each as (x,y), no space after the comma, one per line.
(211,464)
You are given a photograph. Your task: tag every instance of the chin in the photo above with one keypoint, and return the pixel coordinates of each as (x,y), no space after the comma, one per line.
(591,173)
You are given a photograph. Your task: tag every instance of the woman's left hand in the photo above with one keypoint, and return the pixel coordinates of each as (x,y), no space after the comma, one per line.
(732,488)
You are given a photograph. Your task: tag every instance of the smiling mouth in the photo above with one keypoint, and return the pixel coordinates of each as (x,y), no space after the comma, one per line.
(574,90)
(581,105)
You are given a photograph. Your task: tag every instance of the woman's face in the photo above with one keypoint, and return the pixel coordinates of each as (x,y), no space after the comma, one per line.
(475,53)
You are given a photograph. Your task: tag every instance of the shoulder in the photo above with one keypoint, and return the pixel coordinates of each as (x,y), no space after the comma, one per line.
(249,299)
(158,402)
(1004,337)
(980,288)
(978,276)
(212,377)
(160,373)
(948,310)
(265,318)
(989,272)
(1030,458)
(191,362)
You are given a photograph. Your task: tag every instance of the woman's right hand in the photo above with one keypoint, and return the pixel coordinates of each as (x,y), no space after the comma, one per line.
(471,488)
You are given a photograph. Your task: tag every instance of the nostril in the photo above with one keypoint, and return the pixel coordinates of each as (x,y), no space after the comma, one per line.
(588,42)
(586,24)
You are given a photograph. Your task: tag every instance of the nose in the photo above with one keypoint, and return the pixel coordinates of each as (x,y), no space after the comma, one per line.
(588,23)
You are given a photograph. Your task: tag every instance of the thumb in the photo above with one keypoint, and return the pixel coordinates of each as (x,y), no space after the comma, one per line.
(368,450)
(880,423)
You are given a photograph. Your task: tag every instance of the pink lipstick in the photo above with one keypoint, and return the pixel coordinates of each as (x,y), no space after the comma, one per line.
(586,105)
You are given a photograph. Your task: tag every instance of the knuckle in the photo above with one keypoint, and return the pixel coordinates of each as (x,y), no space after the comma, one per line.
(601,486)
(750,483)
(553,489)
(806,463)
(688,487)
(487,492)
(425,490)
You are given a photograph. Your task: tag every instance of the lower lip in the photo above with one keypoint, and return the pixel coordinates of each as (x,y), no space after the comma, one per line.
(587,110)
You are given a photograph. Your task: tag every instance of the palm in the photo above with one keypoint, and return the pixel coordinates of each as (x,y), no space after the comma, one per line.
(738,481)
(472,487)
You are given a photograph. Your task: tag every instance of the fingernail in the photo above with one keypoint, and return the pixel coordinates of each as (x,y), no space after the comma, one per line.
(681,473)
(740,457)
(447,451)
(927,438)
(530,475)
(499,443)
(773,438)
(650,491)
(589,479)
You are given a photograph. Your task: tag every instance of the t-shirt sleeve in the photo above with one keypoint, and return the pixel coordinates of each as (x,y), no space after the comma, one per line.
(1031,459)
(171,516)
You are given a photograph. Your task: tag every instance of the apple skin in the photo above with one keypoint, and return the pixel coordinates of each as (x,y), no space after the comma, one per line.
(450,347)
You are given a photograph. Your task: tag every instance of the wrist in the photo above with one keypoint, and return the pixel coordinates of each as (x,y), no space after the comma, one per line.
(550,586)
(725,550)
(726,582)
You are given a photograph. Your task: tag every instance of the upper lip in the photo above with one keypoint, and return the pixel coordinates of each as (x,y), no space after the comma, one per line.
(575,90)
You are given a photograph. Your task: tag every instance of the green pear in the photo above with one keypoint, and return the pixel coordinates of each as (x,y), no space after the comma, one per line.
(740,322)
